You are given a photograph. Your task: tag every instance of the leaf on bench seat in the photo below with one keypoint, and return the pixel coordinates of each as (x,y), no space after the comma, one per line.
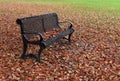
(52,33)
(35,38)
(48,34)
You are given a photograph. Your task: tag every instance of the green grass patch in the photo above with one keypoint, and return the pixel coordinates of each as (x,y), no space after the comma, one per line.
(95,5)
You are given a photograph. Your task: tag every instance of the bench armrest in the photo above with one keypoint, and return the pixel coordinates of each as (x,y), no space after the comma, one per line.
(34,33)
(69,22)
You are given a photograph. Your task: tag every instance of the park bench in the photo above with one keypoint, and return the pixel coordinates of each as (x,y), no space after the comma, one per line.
(37,26)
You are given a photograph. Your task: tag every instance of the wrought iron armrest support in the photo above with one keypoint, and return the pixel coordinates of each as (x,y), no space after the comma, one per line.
(70,26)
(40,35)
(70,29)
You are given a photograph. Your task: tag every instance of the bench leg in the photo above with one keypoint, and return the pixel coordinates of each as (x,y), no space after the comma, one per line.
(39,53)
(24,51)
(69,37)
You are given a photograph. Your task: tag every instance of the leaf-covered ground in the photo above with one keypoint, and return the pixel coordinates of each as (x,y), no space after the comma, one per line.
(93,54)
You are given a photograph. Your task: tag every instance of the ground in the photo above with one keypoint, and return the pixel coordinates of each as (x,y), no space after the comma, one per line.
(93,54)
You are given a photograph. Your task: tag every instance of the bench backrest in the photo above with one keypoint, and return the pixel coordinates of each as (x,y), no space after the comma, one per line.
(38,24)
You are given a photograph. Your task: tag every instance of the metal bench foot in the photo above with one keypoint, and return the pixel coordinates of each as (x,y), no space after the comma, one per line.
(69,37)
(39,53)
(23,56)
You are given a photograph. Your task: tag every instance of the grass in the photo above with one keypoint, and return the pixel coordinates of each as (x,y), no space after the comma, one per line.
(97,5)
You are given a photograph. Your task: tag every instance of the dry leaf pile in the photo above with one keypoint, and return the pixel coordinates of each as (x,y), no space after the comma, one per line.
(52,33)
(93,54)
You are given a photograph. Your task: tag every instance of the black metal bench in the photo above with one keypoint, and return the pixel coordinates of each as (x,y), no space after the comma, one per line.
(37,25)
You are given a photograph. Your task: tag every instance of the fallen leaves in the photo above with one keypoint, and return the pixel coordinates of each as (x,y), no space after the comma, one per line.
(93,54)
